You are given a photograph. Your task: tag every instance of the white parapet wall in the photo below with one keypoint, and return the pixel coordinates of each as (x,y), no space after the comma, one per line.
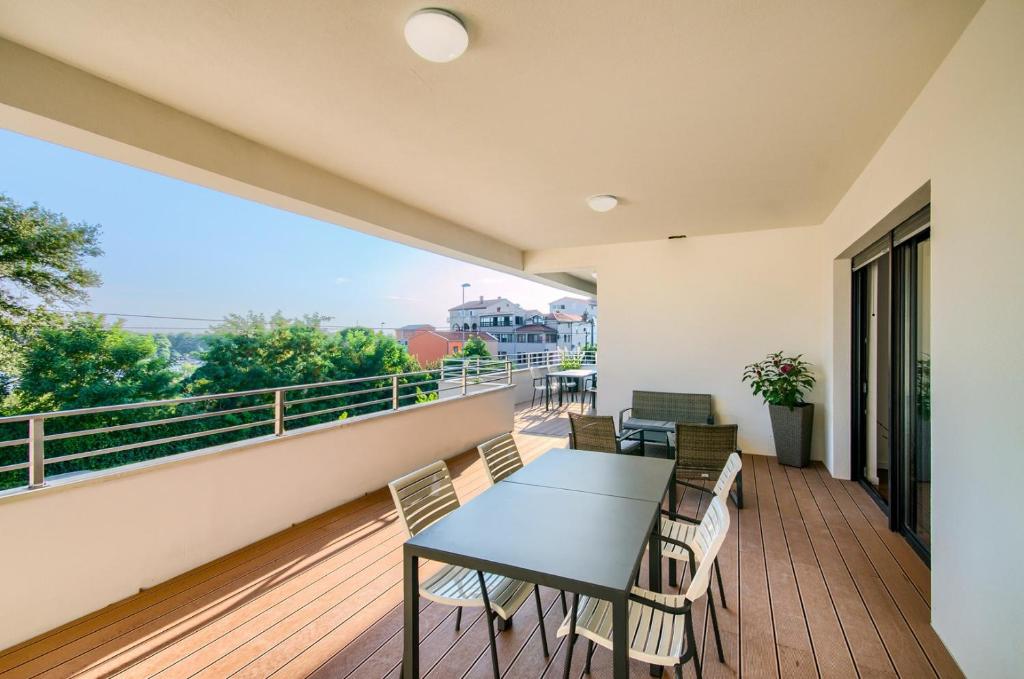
(82,543)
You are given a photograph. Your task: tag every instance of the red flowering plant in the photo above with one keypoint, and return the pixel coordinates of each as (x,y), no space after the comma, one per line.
(780,380)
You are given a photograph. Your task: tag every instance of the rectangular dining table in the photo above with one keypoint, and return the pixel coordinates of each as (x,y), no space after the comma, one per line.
(571,520)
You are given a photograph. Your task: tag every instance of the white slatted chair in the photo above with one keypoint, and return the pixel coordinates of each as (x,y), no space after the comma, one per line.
(681,529)
(660,625)
(500,456)
(426,496)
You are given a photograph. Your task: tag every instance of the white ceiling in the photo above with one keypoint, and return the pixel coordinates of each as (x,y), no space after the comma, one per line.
(705,117)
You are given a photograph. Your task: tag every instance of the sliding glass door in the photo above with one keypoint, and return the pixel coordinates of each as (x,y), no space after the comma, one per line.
(913,386)
(891,376)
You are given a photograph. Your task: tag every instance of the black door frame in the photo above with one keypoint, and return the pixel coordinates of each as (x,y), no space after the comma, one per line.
(894,508)
(898,435)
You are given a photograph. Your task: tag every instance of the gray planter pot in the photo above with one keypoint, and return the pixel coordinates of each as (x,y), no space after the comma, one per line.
(791,428)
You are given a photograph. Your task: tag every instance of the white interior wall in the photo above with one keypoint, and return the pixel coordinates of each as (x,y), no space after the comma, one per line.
(72,549)
(964,134)
(687,315)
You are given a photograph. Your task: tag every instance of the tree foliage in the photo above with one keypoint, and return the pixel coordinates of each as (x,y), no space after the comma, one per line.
(474,347)
(80,364)
(42,263)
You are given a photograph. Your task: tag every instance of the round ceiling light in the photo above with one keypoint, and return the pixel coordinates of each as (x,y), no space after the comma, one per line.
(436,35)
(602,203)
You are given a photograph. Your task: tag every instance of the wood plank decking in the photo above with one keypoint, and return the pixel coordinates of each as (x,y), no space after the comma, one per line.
(816,586)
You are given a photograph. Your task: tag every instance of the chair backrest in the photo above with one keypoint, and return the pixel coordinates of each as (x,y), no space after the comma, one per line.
(501,457)
(706,544)
(704,447)
(593,432)
(424,496)
(671,407)
(732,468)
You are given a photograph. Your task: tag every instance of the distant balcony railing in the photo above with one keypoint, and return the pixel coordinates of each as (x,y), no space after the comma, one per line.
(541,359)
(88,439)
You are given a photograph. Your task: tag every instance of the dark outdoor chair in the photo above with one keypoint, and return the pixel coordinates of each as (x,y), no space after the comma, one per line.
(541,385)
(590,389)
(702,451)
(597,433)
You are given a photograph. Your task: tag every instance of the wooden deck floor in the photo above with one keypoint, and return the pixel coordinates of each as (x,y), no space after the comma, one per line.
(816,586)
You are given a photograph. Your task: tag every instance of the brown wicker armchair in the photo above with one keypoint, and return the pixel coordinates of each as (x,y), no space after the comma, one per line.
(702,451)
(597,433)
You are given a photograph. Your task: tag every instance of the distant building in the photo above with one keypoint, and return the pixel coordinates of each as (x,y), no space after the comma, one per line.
(569,326)
(484,314)
(576,320)
(428,346)
(406,332)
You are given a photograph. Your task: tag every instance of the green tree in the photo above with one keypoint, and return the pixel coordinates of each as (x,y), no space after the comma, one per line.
(276,354)
(81,364)
(42,262)
(474,347)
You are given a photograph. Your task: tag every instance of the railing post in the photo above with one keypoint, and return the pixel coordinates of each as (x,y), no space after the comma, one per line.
(463,377)
(278,413)
(508,372)
(36,452)
(394,392)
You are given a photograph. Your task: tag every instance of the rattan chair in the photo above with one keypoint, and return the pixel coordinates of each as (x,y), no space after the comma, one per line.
(597,433)
(426,496)
(500,456)
(701,453)
(661,625)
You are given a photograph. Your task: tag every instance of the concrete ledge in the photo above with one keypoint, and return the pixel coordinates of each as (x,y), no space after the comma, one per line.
(79,545)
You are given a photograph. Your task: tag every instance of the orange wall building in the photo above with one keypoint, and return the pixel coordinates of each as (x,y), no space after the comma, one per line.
(432,345)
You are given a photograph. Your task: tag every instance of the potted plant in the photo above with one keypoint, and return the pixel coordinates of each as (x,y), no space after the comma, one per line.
(782,381)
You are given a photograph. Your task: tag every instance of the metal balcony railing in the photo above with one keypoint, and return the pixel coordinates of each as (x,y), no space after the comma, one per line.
(62,437)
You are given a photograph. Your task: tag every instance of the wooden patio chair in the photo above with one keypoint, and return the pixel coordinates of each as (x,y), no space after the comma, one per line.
(661,625)
(426,496)
(597,433)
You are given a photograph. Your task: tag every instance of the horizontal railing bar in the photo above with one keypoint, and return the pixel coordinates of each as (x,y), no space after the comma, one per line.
(416,384)
(15,442)
(155,442)
(327,397)
(155,423)
(12,467)
(325,411)
(194,399)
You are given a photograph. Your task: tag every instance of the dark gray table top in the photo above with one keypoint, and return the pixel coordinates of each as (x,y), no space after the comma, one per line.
(582,542)
(627,476)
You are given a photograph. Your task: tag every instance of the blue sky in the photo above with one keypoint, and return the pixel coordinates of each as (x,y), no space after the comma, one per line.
(176,249)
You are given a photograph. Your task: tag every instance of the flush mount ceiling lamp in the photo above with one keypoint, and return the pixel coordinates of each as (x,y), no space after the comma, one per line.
(436,35)
(603,202)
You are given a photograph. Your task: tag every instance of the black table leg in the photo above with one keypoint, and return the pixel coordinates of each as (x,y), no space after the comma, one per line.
(411,657)
(654,573)
(620,636)
(672,502)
